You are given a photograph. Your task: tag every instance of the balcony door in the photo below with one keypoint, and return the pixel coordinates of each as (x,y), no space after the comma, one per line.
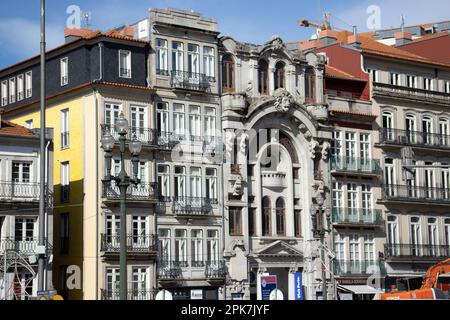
(446,183)
(433,238)
(350,151)
(447,237)
(180,184)
(179,119)
(197,248)
(429,182)
(21,178)
(339,249)
(388,125)
(139,123)
(389,177)
(162,120)
(367,212)
(140,230)
(194,63)
(354,252)
(195,123)
(444,131)
(113,231)
(393,235)
(416,237)
(181,248)
(352,202)
(140,286)
(212,247)
(196,187)
(113,284)
(411,128)
(427,129)
(25,234)
(365,152)
(112,113)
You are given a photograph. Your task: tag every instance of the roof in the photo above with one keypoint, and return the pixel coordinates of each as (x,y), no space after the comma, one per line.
(11,129)
(351,113)
(428,37)
(333,72)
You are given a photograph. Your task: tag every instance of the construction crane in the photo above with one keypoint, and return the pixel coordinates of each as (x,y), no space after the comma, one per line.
(326,25)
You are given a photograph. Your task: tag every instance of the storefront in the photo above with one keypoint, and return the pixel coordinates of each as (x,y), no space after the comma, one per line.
(208,293)
(357,290)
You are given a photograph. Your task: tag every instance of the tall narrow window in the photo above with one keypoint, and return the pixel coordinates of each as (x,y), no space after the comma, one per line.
(369,249)
(338,199)
(352,201)
(395,79)
(177,57)
(124,64)
(64,233)
(365,150)
(113,230)
(196,183)
(355,258)
(444,132)
(447,232)
(64,65)
(140,284)
(427,130)
(251,222)
(65,182)
(339,248)
(4,93)
(310,85)
(162,66)
(447,86)
(209,62)
(164,245)
(180,182)
(193,60)
(445,178)
(416,236)
(235,221)
(411,81)
(212,246)
(279,75)
(389,177)
(336,145)
(195,123)
(112,112)
(428,84)
(350,150)
(411,128)
(20,88)
(140,232)
(227,74)
(197,248)
(433,238)
(281,217)
(112,283)
(263,77)
(178,119)
(12,90)
(181,247)
(367,203)
(211,184)
(65,128)
(28,84)
(393,235)
(210,123)
(162,118)
(429,181)
(164,182)
(266,217)
(139,122)
(298,223)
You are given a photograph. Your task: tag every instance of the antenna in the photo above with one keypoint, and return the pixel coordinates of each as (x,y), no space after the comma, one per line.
(87,17)
(327,20)
(403,20)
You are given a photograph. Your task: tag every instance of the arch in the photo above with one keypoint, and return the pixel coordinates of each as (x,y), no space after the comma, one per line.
(263,77)
(281,216)
(280,75)
(266,217)
(228,73)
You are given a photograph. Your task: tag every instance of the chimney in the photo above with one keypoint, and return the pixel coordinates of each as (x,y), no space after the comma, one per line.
(72,34)
(328,37)
(354,41)
(402,38)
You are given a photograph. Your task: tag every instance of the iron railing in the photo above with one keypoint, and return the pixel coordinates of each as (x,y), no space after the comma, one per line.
(415,194)
(357,216)
(414,138)
(189,80)
(356,165)
(412,251)
(138,294)
(347,94)
(135,243)
(141,192)
(192,205)
(19,191)
(359,267)
(26,246)
(146,136)
(162,72)
(216,270)
(171,269)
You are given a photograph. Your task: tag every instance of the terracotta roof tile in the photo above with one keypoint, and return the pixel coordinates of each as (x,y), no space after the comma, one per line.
(11,129)
(334,72)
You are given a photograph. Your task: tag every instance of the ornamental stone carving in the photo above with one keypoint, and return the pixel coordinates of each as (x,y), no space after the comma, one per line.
(326,146)
(237,187)
(284,100)
(319,193)
(314,147)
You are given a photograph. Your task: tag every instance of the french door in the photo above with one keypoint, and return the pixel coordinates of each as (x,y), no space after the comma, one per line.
(112,113)
(139,124)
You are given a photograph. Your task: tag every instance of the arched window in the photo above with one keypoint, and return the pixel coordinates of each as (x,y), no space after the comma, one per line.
(279,75)
(263,77)
(427,129)
(310,85)
(227,74)
(266,216)
(411,127)
(281,209)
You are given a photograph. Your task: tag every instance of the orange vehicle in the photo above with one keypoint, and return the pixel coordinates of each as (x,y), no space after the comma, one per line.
(435,286)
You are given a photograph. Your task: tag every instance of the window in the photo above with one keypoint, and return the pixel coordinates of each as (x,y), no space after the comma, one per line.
(429,181)
(112,283)
(411,127)
(389,176)
(279,75)
(139,122)
(140,232)
(124,64)
(388,126)
(4,93)
(113,230)
(21,172)
(197,248)
(181,247)
(411,81)
(196,183)
(28,84)
(433,238)
(210,123)
(338,198)
(445,182)
(352,201)
(64,65)
(162,118)
(427,130)
(367,202)
(447,231)
(227,74)
(428,84)
(177,56)
(65,128)
(416,236)
(298,223)
(25,230)
(64,233)
(20,88)
(178,119)
(336,144)
(193,60)
(209,62)
(266,217)
(65,182)
(369,249)
(195,123)
(251,222)
(29,124)
(310,85)
(164,244)
(263,77)
(354,246)
(212,246)
(395,79)
(365,149)
(350,143)
(12,90)
(393,230)
(162,66)
(281,217)
(373,75)
(235,221)
(112,113)
(211,184)
(444,131)
(180,182)
(447,86)
(339,247)
(140,285)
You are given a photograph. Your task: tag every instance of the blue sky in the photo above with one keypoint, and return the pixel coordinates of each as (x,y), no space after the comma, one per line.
(254,21)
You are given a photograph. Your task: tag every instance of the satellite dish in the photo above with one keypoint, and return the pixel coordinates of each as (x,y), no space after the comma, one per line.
(164,295)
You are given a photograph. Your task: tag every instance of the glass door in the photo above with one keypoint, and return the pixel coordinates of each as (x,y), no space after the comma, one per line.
(113,231)
(112,113)
(139,125)
(141,237)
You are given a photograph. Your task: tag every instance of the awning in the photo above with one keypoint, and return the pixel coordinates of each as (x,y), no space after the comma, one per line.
(360,289)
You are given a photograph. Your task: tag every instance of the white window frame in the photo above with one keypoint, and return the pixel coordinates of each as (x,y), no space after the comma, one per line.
(395,79)
(447,87)
(28,84)
(65,173)
(162,56)
(12,90)
(211,184)
(411,81)
(193,60)
(64,69)
(164,180)
(195,122)
(20,87)
(209,58)
(177,56)
(5,93)
(197,247)
(65,128)
(428,84)
(128,64)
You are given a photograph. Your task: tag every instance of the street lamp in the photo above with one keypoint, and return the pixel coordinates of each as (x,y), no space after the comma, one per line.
(123,180)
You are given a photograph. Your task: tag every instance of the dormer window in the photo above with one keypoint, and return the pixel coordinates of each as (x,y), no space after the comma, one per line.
(64,71)
(263,77)
(4,93)
(12,90)
(124,64)
(279,76)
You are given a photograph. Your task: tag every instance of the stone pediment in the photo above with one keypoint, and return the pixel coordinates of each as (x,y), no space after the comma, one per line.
(279,249)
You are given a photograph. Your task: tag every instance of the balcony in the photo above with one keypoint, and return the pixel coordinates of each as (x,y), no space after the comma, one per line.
(414,139)
(359,166)
(139,294)
(347,94)
(24,247)
(415,194)
(189,81)
(358,268)
(19,191)
(192,205)
(142,192)
(360,217)
(416,252)
(136,244)
(274,179)
(216,270)
(384,90)
(171,270)
(147,136)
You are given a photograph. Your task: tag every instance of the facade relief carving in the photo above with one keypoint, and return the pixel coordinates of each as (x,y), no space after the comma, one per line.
(284,100)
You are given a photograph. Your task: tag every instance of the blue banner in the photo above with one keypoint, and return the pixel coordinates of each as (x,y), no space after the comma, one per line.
(298,283)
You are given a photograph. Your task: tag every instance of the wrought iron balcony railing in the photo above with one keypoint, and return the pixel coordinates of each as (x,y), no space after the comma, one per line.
(407,93)
(171,269)
(416,251)
(357,216)
(147,136)
(141,192)
(25,246)
(19,191)
(138,294)
(359,267)
(189,80)
(216,270)
(356,165)
(414,138)
(135,243)
(192,205)
(416,194)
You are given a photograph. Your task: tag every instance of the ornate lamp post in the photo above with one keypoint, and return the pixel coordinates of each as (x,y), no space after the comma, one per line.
(122,180)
